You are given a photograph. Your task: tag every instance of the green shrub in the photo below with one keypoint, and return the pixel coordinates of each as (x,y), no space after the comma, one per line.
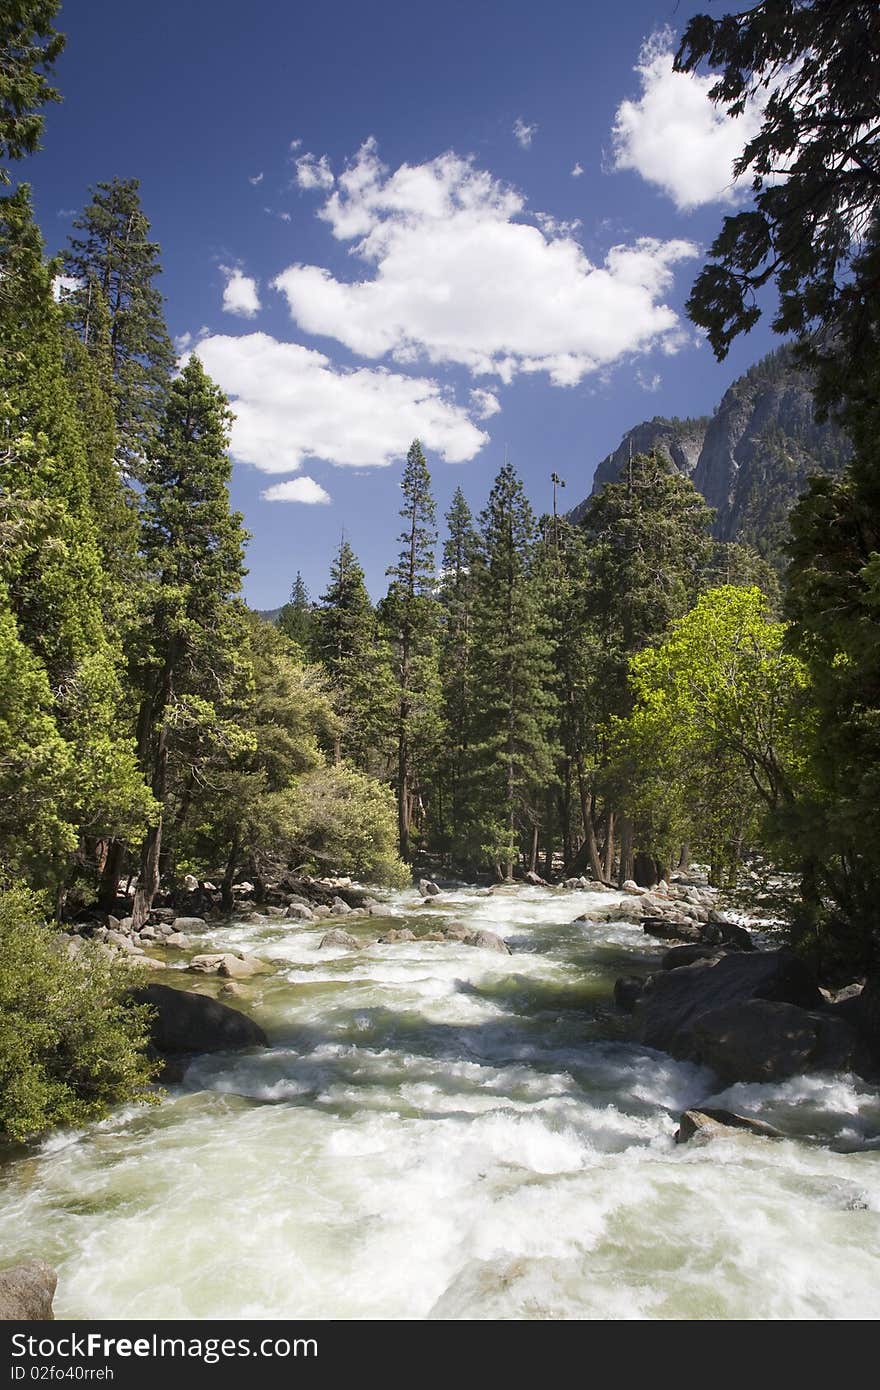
(71,1045)
(345,821)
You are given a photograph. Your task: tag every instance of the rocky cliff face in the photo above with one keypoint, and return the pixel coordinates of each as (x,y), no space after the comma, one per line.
(751,459)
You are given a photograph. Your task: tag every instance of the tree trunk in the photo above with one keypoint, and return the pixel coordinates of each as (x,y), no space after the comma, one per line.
(625,870)
(227,901)
(111,873)
(533,856)
(609,846)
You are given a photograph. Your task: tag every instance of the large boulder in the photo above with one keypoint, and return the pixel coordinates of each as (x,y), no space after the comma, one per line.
(26,1292)
(707,1123)
(337,937)
(487,941)
(188,1022)
(764,1040)
(428,888)
(677,999)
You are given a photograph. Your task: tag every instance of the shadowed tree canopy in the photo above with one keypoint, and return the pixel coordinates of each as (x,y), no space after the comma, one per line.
(814,162)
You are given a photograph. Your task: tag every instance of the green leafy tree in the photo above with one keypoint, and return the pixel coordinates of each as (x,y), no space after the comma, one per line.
(342,820)
(512,755)
(72,1045)
(30,46)
(713,750)
(647,549)
(115,263)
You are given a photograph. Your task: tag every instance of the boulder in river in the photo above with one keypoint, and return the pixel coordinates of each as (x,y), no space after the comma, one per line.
(688,955)
(337,937)
(765,1040)
(26,1292)
(710,1123)
(487,941)
(428,888)
(189,924)
(231,966)
(677,999)
(628,990)
(187,1022)
(672,929)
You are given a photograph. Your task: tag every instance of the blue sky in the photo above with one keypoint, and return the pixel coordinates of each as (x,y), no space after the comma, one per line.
(477,223)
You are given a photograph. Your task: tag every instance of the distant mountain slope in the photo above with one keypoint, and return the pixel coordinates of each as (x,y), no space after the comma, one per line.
(751,458)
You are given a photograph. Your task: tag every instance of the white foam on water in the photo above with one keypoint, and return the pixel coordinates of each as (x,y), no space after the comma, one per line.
(437,1132)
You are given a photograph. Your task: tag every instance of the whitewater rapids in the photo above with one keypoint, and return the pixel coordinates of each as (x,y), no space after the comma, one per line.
(440,1131)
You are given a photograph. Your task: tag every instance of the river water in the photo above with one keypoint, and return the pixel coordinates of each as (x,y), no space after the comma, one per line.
(440,1131)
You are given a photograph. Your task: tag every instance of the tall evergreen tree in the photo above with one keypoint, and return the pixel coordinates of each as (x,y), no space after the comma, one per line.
(115,260)
(513,700)
(192,637)
(30,46)
(456,643)
(347,641)
(296,619)
(50,558)
(409,614)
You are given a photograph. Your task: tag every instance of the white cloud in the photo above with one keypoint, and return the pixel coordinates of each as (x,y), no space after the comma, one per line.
(291,404)
(649,383)
(523,133)
(458,279)
(256,178)
(314,173)
(484,403)
(297,490)
(63,285)
(295,144)
(675,137)
(577,171)
(183,341)
(240,293)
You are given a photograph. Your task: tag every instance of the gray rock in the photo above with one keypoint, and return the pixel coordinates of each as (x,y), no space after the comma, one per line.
(669,1010)
(340,907)
(456,931)
(147,933)
(184,1021)
(764,1040)
(26,1292)
(487,941)
(708,1123)
(672,929)
(189,924)
(687,955)
(337,937)
(231,966)
(428,888)
(630,886)
(322,910)
(300,912)
(116,938)
(397,934)
(177,941)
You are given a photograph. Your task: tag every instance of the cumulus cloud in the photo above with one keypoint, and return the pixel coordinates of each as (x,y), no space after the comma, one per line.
(484,404)
(673,135)
(256,178)
(577,171)
(453,274)
(240,293)
(523,133)
(296,490)
(314,173)
(291,403)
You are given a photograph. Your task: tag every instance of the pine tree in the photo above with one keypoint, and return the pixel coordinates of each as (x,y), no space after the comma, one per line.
(513,700)
(456,643)
(409,615)
(30,47)
(348,643)
(57,589)
(193,646)
(114,260)
(296,618)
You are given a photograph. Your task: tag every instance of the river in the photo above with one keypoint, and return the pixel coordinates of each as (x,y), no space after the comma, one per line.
(439,1131)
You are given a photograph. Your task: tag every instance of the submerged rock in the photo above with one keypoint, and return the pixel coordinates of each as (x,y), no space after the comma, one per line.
(187,1022)
(26,1292)
(706,1123)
